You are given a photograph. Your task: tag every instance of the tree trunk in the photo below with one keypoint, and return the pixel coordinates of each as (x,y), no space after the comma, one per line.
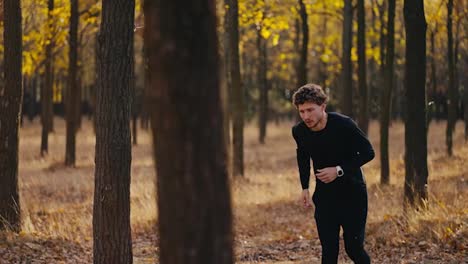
(415,122)
(452,98)
(134,129)
(363,119)
(322,73)
(190,154)
(386,98)
(433,91)
(47,114)
(237,90)
(346,70)
(263,86)
(465,98)
(49,72)
(10,108)
(111,215)
(226,89)
(302,67)
(71,113)
(146,80)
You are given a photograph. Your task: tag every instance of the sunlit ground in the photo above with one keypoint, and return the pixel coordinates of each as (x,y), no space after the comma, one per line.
(270,226)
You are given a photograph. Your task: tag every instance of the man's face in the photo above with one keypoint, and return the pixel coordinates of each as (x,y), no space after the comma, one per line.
(311,113)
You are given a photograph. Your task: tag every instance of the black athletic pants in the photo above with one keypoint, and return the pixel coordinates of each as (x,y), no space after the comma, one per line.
(349,213)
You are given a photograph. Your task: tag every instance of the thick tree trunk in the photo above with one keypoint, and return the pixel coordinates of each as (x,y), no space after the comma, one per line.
(346,70)
(71,113)
(237,90)
(111,215)
(452,98)
(226,88)
(263,87)
(188,134)
(10,108)
(363,119)
(415,122)
(386,98)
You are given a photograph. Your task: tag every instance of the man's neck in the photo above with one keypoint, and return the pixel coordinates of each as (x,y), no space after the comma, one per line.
(322,123)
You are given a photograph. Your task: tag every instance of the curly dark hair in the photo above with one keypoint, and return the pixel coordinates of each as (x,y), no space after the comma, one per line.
(310,93)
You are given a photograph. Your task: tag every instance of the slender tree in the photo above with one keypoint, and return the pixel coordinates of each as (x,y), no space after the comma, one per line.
(386,98)
(363,118)
(416,173)
(262,84)
(72,99)
(465,97)
(302,66)
(346,70)
(433,82)
(47,113)
(111,214)
(10,108)
(187,125)
(452,102)
(236,88)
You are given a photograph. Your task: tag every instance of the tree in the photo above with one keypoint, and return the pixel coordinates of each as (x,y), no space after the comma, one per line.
(236,88)
(263,86)
(302,66)
(346,70)
(452,89)
(187,126)
(111,213)
(47,113)
(416,172)
(262,79)
(72,98)
(10,108)
(363,119)
(386,98)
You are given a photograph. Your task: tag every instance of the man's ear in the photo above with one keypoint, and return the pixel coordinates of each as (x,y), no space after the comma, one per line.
(324,106)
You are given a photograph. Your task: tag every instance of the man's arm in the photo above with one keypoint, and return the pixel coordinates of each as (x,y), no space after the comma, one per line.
(362,151)
(303,160)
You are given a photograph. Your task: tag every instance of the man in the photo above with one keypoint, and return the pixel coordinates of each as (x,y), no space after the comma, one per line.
(338,149)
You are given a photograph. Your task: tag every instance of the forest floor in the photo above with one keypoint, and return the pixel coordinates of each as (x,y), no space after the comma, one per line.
(269,223)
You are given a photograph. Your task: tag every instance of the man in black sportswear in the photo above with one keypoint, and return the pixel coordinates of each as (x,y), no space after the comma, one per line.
(338,149)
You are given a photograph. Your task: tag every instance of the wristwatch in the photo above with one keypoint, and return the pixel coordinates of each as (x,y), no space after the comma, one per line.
(339,171)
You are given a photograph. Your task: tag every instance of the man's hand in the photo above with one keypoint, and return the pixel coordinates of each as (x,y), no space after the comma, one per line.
(305,199)
(327,175)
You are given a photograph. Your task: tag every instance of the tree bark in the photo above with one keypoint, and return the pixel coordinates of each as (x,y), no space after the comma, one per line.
(386,98)
(237,90)
(10,108)
(71,113)
(187,125)
(363,119)
(416,173)
(111,215)
(346,71)
(452,98)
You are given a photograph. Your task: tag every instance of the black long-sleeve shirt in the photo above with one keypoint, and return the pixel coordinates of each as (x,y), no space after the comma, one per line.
(340,143)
